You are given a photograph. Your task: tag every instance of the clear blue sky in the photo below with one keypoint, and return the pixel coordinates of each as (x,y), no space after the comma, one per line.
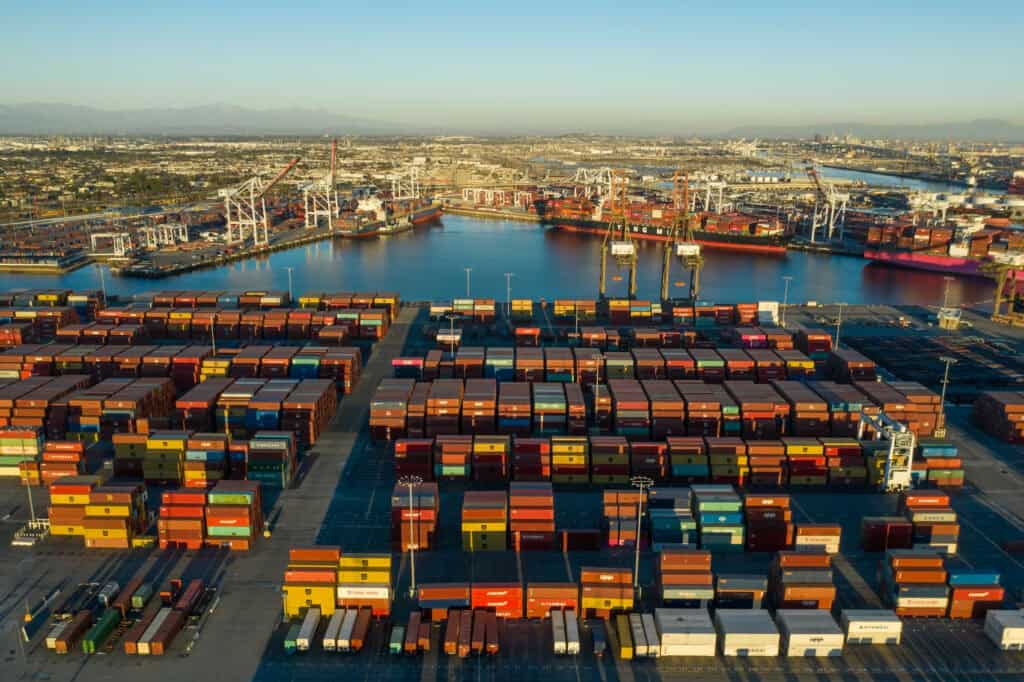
(560,64)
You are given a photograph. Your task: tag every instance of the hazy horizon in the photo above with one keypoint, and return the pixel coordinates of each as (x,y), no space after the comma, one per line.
(556,66)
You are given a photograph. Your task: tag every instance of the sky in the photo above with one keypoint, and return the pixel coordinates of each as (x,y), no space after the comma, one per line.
(565,64)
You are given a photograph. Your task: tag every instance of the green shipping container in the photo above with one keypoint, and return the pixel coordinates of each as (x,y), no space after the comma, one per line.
(99,632)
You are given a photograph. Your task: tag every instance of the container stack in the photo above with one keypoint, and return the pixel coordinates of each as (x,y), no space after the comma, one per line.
(206,459)
(769,467)
(728,460)
(310,581)
(491,456)
(845,461)
(871,626)
(882,533)
(618,365)
(69,498)
(570,459)
(531,515)
(769,521)
(414,518)
(668,411)
(182,520)
(514,408)
(388,408)
(343,366)
(809,633)
(685,632)
(115,514)
(165,456)
(684,577)
(60,459)
(747,633)
(414,457)
(529,364)
(484,521)
(619,509)
(416,411)
(500,364)
(631,409)
(719,512)
(604,591)
(943,467)
(808,412)
(847,366)
(308,409)
(974,593)
(559,365)
(1006,629)
(802,580)
(588,365)
(671,518)
(703,407)
(845,403)
(504,600)
(710,365)
(549,408)
(649,459)
(531,459)
(822,537)
(272,458)
(688,460)
(234,515)
(541,598)
(469,364)
(522,309)
(1001,414)
(914,582)
(609,460)
(799,367)
(453,457)
(935,526)
(19,445)
(805,460)
(479,406)
(364,581)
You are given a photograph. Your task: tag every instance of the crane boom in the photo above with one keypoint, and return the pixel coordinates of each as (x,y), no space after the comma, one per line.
(280,176)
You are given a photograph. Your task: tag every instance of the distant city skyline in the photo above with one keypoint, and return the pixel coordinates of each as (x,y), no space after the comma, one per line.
(530,67)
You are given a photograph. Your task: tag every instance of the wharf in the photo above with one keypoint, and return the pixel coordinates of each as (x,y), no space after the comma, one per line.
(492,213)
(56,266)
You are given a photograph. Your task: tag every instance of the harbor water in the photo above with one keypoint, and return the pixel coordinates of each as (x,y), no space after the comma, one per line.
(429,263)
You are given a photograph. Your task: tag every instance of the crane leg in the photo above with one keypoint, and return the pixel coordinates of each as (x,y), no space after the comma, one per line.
(604,271)
(632,277)
(665,266)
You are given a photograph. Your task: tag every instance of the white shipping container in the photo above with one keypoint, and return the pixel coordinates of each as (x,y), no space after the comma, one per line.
(636,628)
(1006,629)
(362,591)
(333,627)
(345,632)
(871,626)
(142,646)
(54,634)
(922,602)
(651,634)
(572,633)
(685,632)
(308,630)
(827,543)
(558,631)
(747,632)
(809,632)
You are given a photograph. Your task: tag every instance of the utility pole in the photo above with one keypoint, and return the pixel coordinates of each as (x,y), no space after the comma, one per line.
(508,294)
(103,282)
(411,481)
(290,299)
(785,298)
(642,483)
(213,335)
(468,270)
(839,324)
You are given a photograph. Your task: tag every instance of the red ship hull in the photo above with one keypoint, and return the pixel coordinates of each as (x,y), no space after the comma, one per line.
(947,265)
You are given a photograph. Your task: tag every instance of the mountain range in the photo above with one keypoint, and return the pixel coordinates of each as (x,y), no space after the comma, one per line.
(221,119)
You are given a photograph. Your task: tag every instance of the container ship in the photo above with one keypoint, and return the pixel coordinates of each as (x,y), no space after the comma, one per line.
(963,250)
(653,220)
(1016,186)
(373,216)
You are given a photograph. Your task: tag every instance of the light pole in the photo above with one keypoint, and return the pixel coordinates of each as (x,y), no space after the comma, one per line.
(411,481)
(289,285)
(508,295)
(103,282)
(451,338)
(642,483)
(468,270)
(839,324)
(945,378)
(785,298)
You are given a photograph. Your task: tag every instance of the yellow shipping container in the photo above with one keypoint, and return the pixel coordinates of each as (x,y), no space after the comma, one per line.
(119,511)
(599,603)
(100,533)
(66,530)
(379,576)
(568,459)
(298,598)
(73,498)
(484,526)
(365,561)
(483,542)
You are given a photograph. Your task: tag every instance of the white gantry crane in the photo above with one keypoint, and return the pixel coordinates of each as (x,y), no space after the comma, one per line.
(829,207)
(121,243)
(246,209)
(168,234)
(320,197)
(709,196)
(593,183)
(406,184)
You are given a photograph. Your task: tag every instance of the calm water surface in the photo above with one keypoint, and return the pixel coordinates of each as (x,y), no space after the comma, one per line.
(428,264)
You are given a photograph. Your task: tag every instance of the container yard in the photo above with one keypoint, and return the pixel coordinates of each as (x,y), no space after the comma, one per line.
(292,478)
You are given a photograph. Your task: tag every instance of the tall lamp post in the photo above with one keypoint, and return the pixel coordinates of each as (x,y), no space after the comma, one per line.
(411,481)
(468,270)
(451,328)
(508,296)
(290,299)
(642,483)
(785,298)
(839,324)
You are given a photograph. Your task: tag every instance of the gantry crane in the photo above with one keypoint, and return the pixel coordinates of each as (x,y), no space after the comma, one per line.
(681,243)
(1007,268)
(246,209)
(320,198)
(829,207)
(617,238)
